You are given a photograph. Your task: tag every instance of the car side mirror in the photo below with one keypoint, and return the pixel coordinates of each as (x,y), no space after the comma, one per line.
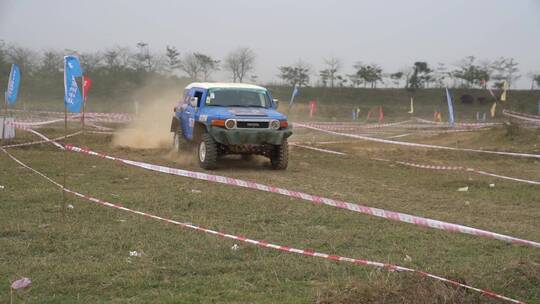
(276,102)
(193,101)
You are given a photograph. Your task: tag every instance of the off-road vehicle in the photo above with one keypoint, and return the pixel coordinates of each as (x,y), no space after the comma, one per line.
(230,118)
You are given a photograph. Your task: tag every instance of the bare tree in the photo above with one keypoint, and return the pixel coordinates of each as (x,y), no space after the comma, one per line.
(199,66)
(505,69)
(333,65)
(240,62)
(91,61)
(25,58)
(535,79)
(3,55)
(173,59)
(111,59)
(117,58)
(207,65)
(396,78)
(354,79)
(142,60)
(51,63)
(190,66)
(440,75)
(472,74)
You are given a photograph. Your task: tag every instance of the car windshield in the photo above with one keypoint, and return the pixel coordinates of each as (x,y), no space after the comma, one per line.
(238,98)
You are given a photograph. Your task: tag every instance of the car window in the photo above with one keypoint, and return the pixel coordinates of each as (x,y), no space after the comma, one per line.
(238,97)
(199,95)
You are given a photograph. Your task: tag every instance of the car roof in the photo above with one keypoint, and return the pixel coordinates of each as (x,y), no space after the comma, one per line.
(224,85)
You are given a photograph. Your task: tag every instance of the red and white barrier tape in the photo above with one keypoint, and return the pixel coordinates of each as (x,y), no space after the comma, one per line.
(349,126)
(34,123)
(522,114)
(264,244)
(100,132)
(399,135)
(90,116)
(41,141)
(459,168)
(38,123)
(101,128)
(391,215)
(527,117)
(394,142)
(385,125)
(103,114)
(317,149)
(464,124)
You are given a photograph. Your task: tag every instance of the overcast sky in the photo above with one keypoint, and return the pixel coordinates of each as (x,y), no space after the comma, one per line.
(393,34)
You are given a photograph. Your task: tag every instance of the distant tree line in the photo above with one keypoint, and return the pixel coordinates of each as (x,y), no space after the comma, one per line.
(128,67)
(467,73)
(195,65)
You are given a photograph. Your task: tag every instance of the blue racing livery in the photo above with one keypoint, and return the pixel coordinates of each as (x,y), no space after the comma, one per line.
(231,118)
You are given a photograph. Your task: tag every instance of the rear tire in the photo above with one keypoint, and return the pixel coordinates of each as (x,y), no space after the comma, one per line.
(207,152)
(279,158)
(179,142)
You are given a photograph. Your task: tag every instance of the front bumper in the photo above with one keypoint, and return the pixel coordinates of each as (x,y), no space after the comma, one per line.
(249,136)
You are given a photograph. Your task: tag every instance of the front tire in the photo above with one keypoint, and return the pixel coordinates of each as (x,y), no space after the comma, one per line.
(279,158)
(207,152)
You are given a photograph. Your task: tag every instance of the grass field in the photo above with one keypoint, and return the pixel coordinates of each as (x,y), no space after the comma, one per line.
(82,254)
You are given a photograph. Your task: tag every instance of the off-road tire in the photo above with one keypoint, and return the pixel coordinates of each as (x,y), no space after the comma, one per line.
(179,142)
(279,158)
(207,152)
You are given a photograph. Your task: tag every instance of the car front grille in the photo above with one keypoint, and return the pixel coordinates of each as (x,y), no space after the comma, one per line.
(252,124)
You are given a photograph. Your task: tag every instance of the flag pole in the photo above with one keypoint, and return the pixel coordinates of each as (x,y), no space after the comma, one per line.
(5,116)
(83,106)
(65,163)
(64,207)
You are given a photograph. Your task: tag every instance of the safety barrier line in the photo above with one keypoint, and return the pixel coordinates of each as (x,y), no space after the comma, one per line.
(391,215)
(263,244)
(317,149)
(465,124)
(460,168)
(397,216)
(394,142)
(41,141)
(527,117)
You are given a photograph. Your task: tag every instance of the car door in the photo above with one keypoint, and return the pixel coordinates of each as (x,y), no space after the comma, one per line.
(188,115)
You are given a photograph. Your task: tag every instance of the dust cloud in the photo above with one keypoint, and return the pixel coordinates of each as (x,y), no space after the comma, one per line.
(151,129)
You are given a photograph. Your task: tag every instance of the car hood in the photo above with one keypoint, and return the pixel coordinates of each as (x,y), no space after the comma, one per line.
(242,112)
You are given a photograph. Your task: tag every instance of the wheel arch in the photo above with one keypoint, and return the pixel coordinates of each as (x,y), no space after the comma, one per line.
(198,130)
(175,124)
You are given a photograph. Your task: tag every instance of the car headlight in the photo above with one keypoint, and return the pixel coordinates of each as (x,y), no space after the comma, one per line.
(274,124)
(230,123)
